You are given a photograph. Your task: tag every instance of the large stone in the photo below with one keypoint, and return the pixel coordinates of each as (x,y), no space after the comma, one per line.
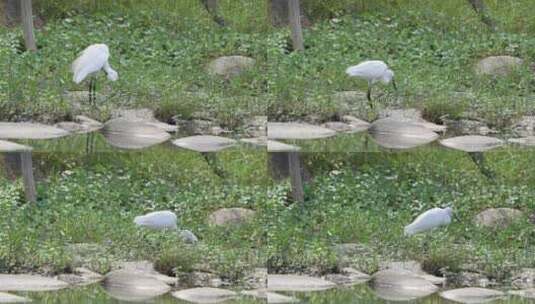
(257,279)
(524,293)
(525,279)
(289,282)
(25,130)
(348,277)
(497,217)
(468,127)
(10,298)
(524,141)
(231,216)
(470,279)
(81,276)
(415,268)
(256,126)
(199,127)
(145,268)
(498,65)
(294,130)
(356,124)
(205,295)
(413,116)
(277,146)
(395,285)
(26,282)
(394,134)
(7,146)
(472,295)
(126,134)
(525,126)
(230,66)
(200,279)
(205,143)
(472,143)
(133,286)
(142,115)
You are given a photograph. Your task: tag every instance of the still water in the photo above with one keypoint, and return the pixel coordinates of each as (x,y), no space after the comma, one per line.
(359,294)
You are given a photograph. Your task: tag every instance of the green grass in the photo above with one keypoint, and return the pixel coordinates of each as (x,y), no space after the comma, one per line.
(369,199)
(95,200)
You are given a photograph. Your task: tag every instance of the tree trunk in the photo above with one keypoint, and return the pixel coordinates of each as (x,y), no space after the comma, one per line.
(27,25)
(294,15)
(11,12)
(278,12)
(211,7)
(481,9)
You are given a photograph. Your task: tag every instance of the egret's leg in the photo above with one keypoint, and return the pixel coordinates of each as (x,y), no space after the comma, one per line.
(90,90)
(369,96)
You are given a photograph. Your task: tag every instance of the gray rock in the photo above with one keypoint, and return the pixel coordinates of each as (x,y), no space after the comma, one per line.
(348,277)
(142,115)
(277,146)
(525,126)
(393,134)
(81,277)
(256,126)
(256,280)
(188,237)
(468,127)
(127,134)
(200,279)
(472,295)
(204,295)
(497,217)
(259,142)
(230,66)
(205,143)
(472,143)
(288,282)
(414,268)
(231,216)
(470,279)
(524,293)
(356,124)
(294,130)
(498,65)
(7,146)
(410,115)
(199,127)
(525,279)
(524,141)
(133,286)
(27,282)
(25,130)
(145,268)
(10,298)
(395,285)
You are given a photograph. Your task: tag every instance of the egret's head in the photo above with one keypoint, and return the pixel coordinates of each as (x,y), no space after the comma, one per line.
(112,75)
(388,76)
(449,211)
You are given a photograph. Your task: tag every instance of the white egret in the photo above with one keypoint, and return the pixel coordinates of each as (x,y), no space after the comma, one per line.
(430,219)
(372,71)
(157,220)
(165,220)
(90,62)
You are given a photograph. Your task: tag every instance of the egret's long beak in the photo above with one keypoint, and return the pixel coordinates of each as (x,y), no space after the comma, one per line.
(394,84)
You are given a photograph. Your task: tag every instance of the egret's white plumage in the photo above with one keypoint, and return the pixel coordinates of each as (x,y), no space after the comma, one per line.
(157,220)
(430,219)
(93,59)
(372,71)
